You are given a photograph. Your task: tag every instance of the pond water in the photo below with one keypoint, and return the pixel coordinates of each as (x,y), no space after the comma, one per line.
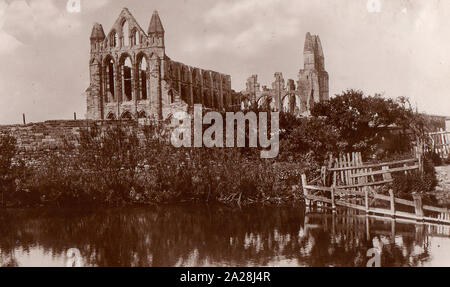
(214,235)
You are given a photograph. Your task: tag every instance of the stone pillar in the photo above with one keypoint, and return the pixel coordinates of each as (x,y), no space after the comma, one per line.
(221,93)
(96,105)
(122,83)
(154,80)
(191,92)
(118,90)
(201,89)
(135,83)
(179,84)
(211,90)
(159,89)
(100,93)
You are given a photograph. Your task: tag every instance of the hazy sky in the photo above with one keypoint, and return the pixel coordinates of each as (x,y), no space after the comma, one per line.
(403,50)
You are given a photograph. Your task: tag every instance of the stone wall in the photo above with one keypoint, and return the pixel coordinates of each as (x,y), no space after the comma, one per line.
(38,138)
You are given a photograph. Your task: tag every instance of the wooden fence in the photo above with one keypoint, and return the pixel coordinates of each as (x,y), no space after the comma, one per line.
(340,197)
(349,172)
(440,143)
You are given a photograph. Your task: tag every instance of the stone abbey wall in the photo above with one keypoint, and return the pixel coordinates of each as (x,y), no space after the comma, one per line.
(131,76)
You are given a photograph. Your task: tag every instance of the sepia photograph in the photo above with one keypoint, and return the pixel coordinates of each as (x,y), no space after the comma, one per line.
(226,133)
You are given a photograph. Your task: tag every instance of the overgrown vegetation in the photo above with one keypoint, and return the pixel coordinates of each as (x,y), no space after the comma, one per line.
(119,166)
(8,171)
(405,185)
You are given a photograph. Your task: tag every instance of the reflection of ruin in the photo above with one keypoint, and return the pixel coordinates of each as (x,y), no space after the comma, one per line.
(132,77)
(312,84)
(193,235)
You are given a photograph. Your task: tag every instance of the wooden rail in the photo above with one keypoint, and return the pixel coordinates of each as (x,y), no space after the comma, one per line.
(348,171)
(385,171)
(364,166)
(368,193)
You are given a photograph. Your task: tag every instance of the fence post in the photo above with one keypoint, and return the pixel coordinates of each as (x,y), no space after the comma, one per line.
(23,119)
(333,202)
(420,164)
(323,175)
(366,195)
(418,205)
(420,147)
(391,194)
(305,191)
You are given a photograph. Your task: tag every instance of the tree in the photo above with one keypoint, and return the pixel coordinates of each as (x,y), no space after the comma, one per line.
(365,122)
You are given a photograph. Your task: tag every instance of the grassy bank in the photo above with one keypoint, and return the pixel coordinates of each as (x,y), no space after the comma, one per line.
(114,167)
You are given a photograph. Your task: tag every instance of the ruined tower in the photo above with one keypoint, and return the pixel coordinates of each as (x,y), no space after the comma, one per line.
(312,84)
(313,79)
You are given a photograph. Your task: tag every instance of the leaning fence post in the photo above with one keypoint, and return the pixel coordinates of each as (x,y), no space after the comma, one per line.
(418,205)
(391,194)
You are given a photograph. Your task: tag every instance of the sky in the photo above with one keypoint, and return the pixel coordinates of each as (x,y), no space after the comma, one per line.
(396,47)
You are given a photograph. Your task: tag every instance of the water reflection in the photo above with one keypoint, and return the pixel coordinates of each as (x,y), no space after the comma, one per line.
(215,236)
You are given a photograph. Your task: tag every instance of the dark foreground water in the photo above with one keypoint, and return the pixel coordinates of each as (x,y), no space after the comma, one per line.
(214,236)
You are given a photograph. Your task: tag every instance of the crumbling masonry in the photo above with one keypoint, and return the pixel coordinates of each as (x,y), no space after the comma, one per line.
(312,84)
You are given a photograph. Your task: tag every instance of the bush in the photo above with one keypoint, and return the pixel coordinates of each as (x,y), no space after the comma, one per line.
(114,167)
(8,172)
(404,185)
(364,123)
(434,158)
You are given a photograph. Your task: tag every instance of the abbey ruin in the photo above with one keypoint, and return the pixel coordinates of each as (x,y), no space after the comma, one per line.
(131,77)
(312,84)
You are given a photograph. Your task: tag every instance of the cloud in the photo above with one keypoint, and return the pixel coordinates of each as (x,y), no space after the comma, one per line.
(28,20)
(7,42)
(91,5)
(250,24)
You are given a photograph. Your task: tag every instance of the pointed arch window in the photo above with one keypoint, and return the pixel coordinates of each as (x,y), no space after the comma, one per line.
(109,81)
(171,97)
(135,38)
(126,116)
(127,79)
(111,117)
(114,39)
(125,33)
(142,74)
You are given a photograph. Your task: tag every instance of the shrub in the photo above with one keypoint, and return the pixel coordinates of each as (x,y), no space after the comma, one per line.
(363,123)
(8,171)
(404,185)
(434,158)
